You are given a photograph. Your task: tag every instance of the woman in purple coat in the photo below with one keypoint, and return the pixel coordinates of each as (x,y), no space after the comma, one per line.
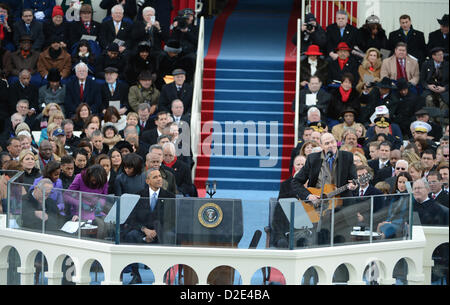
(52,170)
(92,182)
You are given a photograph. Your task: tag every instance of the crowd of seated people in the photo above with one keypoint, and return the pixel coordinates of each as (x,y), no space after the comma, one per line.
(384,98)
(123,84)
(367,67)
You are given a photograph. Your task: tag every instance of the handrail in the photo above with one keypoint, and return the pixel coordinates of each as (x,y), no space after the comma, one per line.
(297,83)
(195,123)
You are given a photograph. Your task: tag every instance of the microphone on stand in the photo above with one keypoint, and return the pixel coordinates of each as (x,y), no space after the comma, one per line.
(329,155)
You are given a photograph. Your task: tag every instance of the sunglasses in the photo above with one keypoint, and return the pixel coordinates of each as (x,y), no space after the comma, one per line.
(400,168)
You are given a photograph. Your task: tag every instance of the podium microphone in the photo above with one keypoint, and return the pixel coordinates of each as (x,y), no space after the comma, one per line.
(255,239)
(329,155)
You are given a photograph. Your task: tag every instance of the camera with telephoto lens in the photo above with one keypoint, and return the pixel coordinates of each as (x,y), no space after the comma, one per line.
(310,27)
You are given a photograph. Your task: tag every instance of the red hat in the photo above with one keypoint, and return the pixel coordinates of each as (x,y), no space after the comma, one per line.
(343,46)
(57,10)
(313,50)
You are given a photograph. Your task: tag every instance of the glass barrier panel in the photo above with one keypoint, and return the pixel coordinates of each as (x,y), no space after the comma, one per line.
(295,224)
(373,218)
(85,215)
(298,224)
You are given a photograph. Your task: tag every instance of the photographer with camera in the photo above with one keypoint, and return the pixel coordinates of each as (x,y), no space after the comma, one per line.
(184,31)
(311,33)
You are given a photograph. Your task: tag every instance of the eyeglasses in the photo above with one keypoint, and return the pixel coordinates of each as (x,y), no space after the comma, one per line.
(400,168)
(445,155)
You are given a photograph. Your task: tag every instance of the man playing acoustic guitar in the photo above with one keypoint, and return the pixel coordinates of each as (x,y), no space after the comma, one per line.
(328,167)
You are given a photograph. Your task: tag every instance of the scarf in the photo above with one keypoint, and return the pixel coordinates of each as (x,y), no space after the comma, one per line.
(313,65)
(342,62)
(24,53)
(2,33)
(171,163)
(345,94)
(54,54)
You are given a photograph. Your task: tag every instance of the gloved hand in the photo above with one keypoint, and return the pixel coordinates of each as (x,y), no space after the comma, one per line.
(39,15)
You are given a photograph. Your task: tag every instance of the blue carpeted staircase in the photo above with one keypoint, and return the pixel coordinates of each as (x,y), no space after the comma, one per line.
(247,91)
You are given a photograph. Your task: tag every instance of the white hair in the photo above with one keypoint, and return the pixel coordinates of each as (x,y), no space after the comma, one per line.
(313,109)
(171,146)
(81,65)
(148,9)
(402,161)
(117,7)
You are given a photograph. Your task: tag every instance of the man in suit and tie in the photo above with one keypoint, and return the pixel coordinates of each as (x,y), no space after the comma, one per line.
(329,166)
(152,217)
(177,111)
(384,152)
(114,90)
(438,194)
(388,172)
(82,90)
(434,78)
(86,26)
(340,31)
(178,89)
(413,38)
(116,28)
(150,136)
(31,27)
(146,122)
(400,65)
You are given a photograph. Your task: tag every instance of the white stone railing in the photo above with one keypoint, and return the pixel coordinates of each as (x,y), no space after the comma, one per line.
(434,236)
(291,263)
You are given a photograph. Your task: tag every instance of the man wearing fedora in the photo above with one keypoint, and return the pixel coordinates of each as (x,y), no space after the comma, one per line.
(408,103)
(24,58)
(400,65)
(345,63)
(434,79)
(85,26)
(312,33)
(348,115)
(439,38)
(340,31)
(381,94)
(313,65)
(28,26)
(114,90)
(178,89)
(53,91)
(414,39)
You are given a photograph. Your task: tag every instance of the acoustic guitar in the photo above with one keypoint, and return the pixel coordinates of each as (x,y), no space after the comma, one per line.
(330,192)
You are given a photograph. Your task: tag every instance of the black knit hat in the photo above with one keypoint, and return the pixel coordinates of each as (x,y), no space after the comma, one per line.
(53,75)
